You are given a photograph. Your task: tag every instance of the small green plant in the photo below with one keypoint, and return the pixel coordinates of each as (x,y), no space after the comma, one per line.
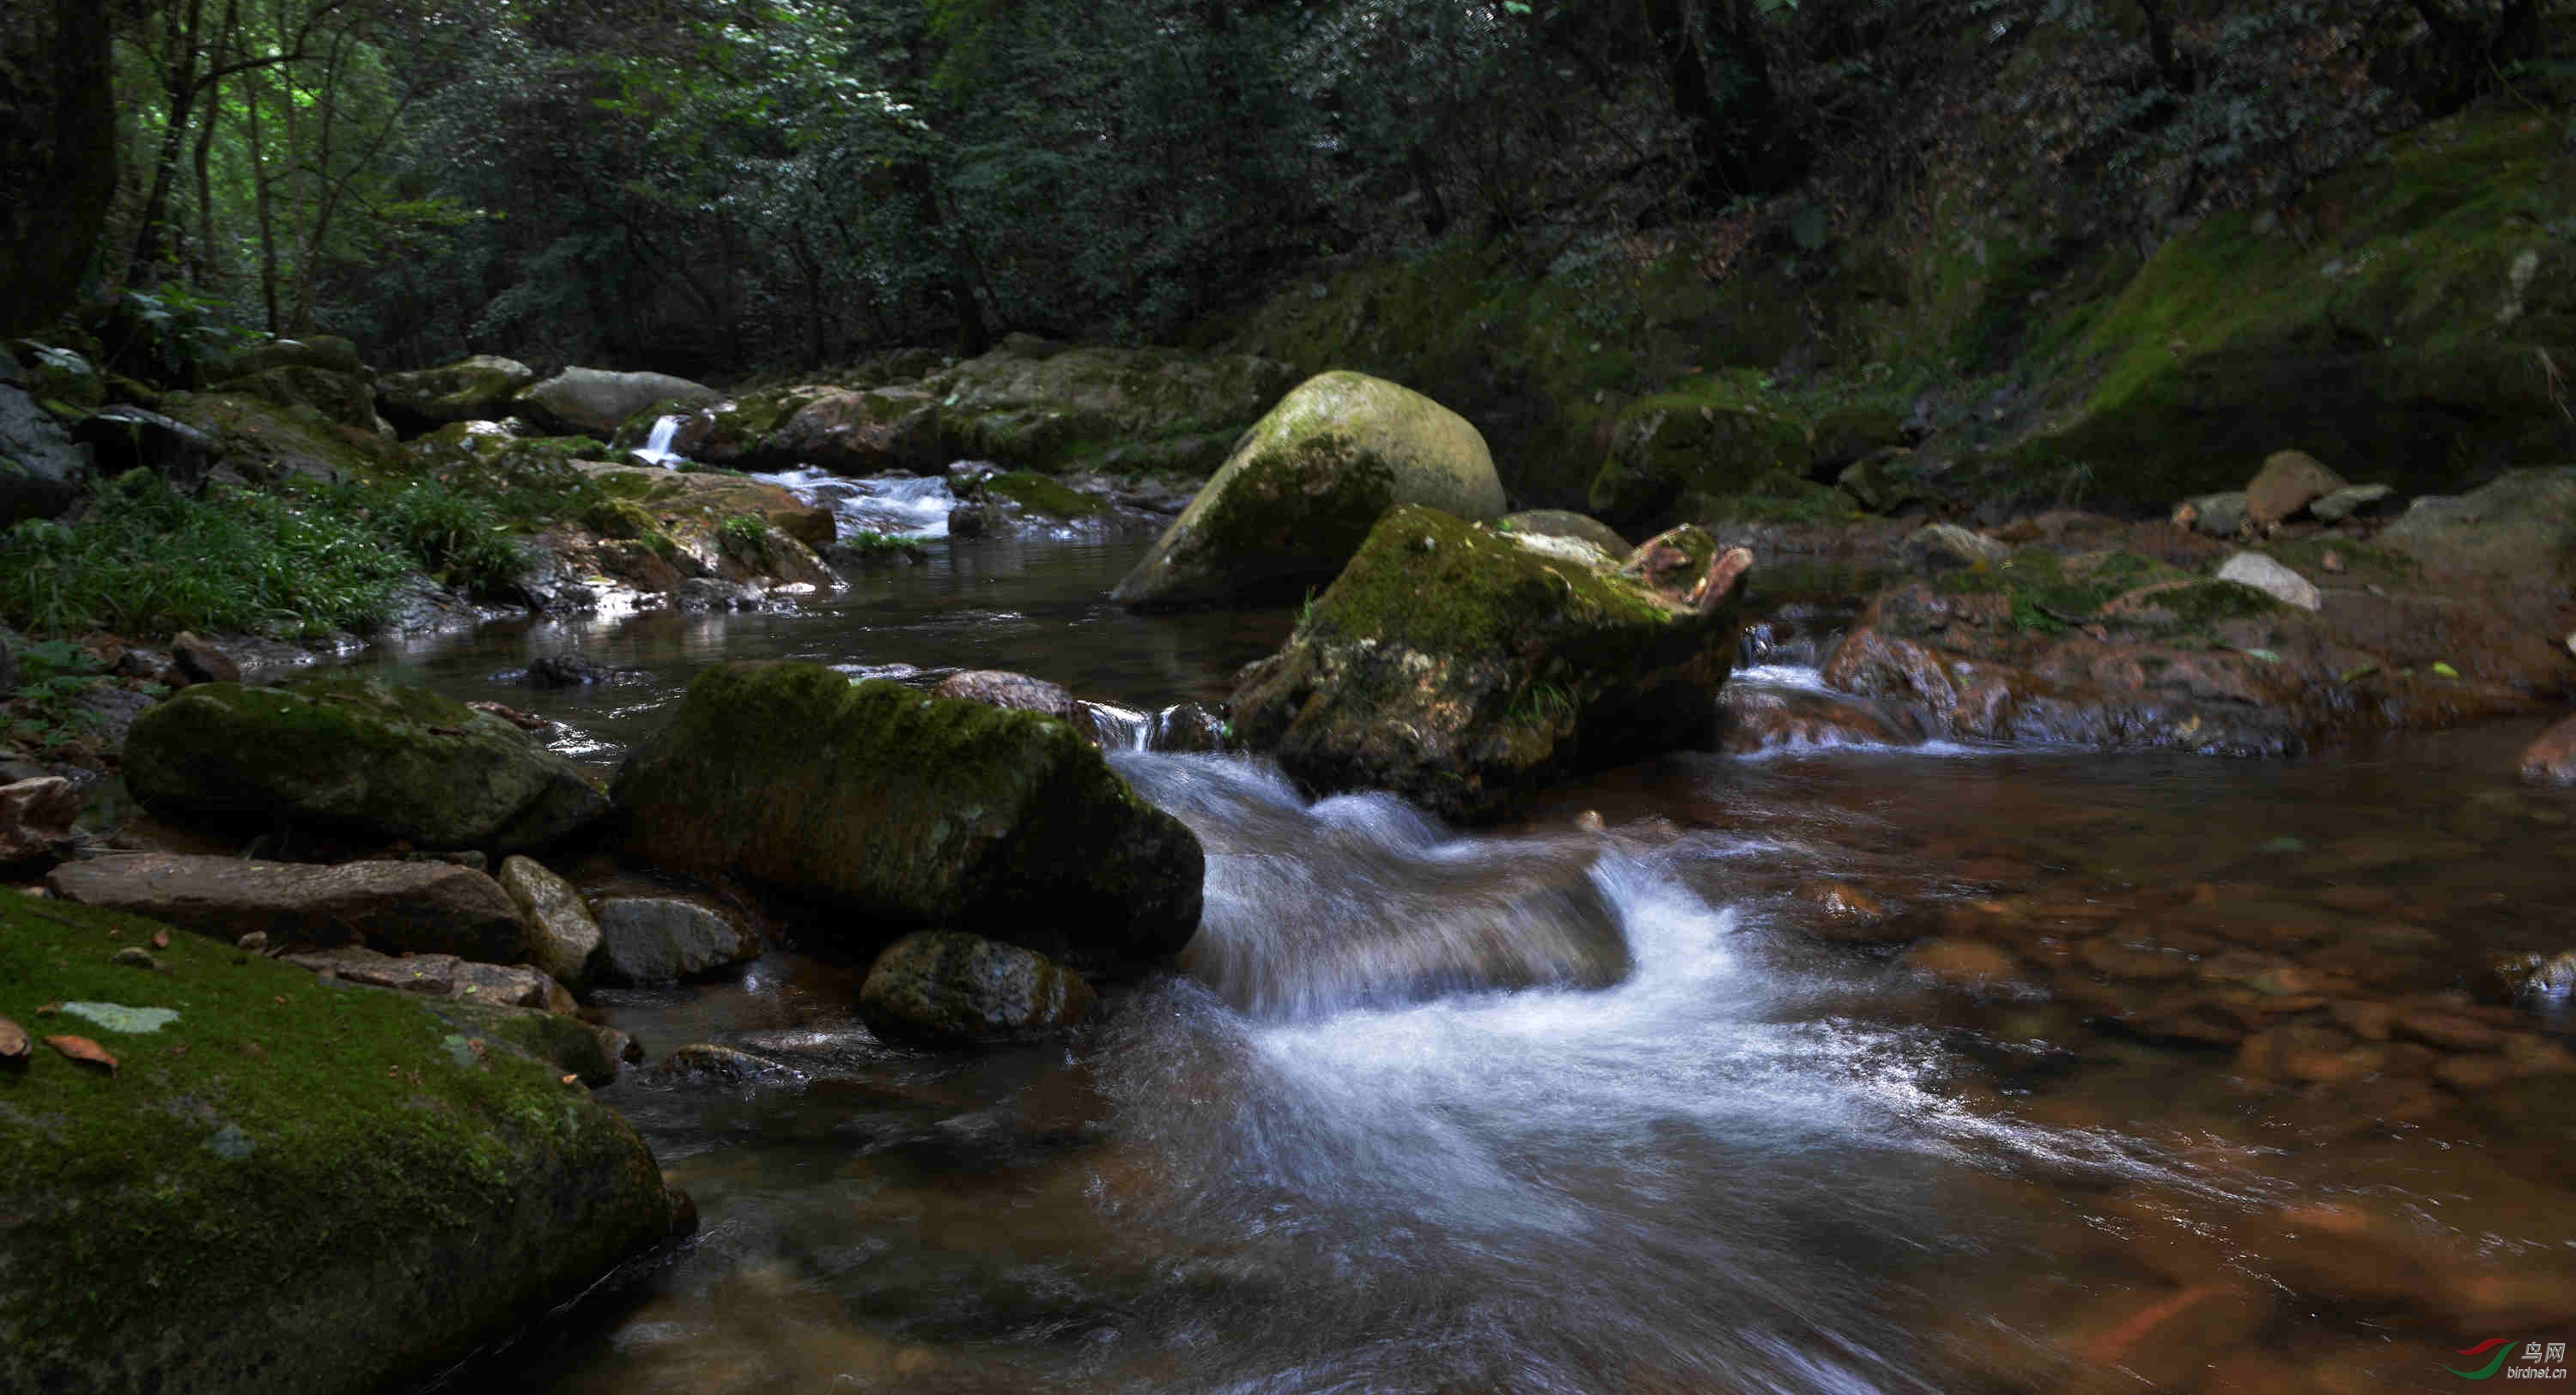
(871,544)
(457,537)
(44,712)
(1306,609)
(745,538)
(1542,704)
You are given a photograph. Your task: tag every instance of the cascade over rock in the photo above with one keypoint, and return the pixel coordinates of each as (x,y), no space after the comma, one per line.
(910,811)
(1464,668)
(358,753)
(1304,486)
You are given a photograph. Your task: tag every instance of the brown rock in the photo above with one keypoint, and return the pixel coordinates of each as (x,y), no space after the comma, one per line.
(2107,956)
(36,822)
(2473,1075)
(200,662)
(440,976)
(2288,482)
(2367,1020)
(1963,963)
(2449,1031)
(422,907)
(2551,758)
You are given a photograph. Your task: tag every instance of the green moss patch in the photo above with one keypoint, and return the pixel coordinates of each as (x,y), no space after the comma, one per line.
(291,1185)
(1041,494)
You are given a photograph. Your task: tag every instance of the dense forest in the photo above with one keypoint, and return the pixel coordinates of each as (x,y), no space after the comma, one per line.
(711,187)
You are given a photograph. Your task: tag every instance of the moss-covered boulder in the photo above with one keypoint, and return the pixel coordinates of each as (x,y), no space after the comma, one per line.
(41,471)
(907,811)
(949,988)
(1565,523)
(267,441)
(1051,408)
(471,389)
(2519,529)
(343,399)
(1464,668)
(287,1185)
(360,754)
(595,401)
(1305,485)
(1713,440)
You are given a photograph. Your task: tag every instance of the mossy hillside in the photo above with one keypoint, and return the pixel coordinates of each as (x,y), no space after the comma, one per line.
(2399,322)
(389,761)
(1098,406)
(295,1186)
(896,810)
(1041,494)
(1463,669)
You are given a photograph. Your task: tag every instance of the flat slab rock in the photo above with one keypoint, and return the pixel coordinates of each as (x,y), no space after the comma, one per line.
(414,907)
(440,976)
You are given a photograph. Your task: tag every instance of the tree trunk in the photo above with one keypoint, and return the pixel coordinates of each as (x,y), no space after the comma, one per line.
(58,166)
(179,91)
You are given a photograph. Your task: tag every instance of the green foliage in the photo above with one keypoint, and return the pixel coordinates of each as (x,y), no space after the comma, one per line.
(745,538)
(460,538)
(43,712)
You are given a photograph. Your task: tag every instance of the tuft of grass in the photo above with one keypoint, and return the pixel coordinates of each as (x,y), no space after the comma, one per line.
(745,538)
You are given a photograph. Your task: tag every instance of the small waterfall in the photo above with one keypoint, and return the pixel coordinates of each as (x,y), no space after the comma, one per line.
(657,447)
(1113,728)
(1360,900)
(898,506)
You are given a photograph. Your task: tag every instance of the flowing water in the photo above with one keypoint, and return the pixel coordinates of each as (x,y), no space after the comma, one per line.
(1547,1109)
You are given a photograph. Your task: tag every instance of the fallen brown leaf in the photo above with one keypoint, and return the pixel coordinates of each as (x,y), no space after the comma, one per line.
(49,1009)
(280,1000)
(160,939)
(85,1051)
(572,1080)
(14,1046)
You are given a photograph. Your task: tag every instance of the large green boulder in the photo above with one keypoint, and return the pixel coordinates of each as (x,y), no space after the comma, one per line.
(854,432)
(1306,484)
(909,811)
(1464,668)
(2518,529)
(1665,447)
(596,401)
(344,399)
(360,754)
(266,440)
(470,389)
(41,471)
(286,1185)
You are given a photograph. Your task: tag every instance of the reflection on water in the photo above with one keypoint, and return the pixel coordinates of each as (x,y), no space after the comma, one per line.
(1372,1140)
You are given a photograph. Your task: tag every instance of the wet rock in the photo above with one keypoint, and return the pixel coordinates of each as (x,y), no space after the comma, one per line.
(1299,494)
(1753,719)
(1016,691)
(567,671)
(2348,501)
(2449,1031)
(2288,482)
(723,1065)
(1189,726)
(51,471)
(479,388)
(126,438)
(2508,978)
(1941,547)
(911,810)
(392,762)
(1464,669)
(2551,757)
(2272,579)
(861,432)
(2222,515)
(945,988)
(1850,915)
(364,1156)
(399,907)
(439,976)
(36,823)
(563,938)
(1963,963)
(669,939)
(594,401)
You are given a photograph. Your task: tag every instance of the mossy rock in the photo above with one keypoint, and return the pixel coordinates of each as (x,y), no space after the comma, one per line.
(947,988)
(471,389)
(266,442)
(1073,407)
(60,374)
(344,399)
(901,811)
(290,1186)
(1565,523)
(2049,592)
(1305,486)
(329,353)
(361,754)
(854,432)
(1465,668)
(1043,496)
(596,401)
(1717,439)
(731,432)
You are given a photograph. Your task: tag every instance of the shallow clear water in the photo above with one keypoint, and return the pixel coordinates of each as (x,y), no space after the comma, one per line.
(1334,1155)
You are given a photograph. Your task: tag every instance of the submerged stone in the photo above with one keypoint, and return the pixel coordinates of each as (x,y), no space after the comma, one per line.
(944,988)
